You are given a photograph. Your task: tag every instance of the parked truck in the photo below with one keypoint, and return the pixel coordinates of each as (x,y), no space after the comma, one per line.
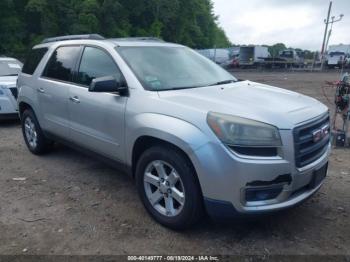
(252,55)
(338,55)
(286,58)
(292,57)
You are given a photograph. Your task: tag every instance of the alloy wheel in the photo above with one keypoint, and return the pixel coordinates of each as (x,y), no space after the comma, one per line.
(30,132)
(164,188)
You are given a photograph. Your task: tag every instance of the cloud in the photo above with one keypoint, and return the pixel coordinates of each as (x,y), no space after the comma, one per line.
(297,23)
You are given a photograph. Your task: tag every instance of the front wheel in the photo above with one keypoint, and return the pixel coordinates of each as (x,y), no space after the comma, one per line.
(168,187)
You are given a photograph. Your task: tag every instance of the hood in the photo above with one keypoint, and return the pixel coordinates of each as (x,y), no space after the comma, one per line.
(279,107)
(9,81)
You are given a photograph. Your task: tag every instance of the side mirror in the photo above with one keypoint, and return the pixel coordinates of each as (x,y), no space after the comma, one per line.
(107,84)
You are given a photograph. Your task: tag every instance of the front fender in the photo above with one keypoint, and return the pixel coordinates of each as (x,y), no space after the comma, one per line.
(176,131)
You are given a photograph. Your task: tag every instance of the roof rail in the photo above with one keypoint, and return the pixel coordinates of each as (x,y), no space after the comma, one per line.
(73,37)
(154,39)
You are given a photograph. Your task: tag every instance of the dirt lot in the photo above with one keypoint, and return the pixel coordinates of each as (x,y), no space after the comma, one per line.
(72,204)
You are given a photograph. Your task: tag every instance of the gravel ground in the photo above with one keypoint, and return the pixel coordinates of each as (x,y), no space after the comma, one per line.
(71,204)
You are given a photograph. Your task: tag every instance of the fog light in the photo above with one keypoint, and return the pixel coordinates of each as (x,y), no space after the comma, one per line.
(261,194)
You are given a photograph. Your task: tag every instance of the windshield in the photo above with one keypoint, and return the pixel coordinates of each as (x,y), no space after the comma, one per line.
(288,54)
(169,68)
(10,67)
(336,53)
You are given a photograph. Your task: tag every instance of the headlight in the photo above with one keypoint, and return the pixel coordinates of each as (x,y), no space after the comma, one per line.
(237,131)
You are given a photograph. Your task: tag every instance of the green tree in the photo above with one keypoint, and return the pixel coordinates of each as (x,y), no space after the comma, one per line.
(24,23)
(276,48)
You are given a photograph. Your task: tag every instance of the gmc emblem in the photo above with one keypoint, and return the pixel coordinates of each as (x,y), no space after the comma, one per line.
(321,133)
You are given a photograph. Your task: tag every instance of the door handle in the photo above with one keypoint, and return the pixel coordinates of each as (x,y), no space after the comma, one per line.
(74,99)
(41,90)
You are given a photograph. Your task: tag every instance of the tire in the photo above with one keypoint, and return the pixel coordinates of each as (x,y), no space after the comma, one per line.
(183,215)
(36,141)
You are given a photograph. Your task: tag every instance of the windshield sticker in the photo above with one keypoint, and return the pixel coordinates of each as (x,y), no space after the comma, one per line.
(153,81)
(16,66)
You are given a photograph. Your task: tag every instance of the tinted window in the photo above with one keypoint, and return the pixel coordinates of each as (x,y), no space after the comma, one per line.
(33,60)
(96,63)
(62,63)
(337,53)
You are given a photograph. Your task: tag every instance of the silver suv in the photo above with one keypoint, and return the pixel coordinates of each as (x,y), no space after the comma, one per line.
(194,138)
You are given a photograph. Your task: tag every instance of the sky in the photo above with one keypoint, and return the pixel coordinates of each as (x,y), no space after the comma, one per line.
(297,23)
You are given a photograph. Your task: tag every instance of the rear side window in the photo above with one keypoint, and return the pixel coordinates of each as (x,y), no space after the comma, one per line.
(96,63)
(33,60)
(62,63)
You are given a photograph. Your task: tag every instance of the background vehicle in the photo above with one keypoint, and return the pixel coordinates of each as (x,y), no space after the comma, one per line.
(286,58)
(338,55)
(347,61)
(218,55)
(193,136)
(9,70)
(292,57)
(252,55)
(336,59)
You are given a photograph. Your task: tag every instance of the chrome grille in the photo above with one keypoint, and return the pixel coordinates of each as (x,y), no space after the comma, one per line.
(311,141)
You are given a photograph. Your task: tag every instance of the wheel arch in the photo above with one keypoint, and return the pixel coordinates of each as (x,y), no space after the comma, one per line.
(145,142)
(151,129)
(22,106)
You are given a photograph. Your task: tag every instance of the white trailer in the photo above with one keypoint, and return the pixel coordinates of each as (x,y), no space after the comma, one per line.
(219,55)
(252,55)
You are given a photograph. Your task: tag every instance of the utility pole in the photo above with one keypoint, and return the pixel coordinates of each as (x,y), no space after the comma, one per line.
(334,20)
(325,34)
(325,38)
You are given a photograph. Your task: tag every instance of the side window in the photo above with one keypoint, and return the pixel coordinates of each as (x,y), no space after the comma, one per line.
(33,59)
(62,63)
(96,63)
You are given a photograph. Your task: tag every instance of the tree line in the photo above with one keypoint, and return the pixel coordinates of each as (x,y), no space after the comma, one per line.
(276,48)
(24,23)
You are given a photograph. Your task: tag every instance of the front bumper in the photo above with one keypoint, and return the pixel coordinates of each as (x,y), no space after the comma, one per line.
(8,104)
(225,177)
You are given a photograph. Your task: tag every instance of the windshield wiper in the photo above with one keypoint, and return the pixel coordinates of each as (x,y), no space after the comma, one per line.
(189,87)
(225,82)
(9,75)
(179,88)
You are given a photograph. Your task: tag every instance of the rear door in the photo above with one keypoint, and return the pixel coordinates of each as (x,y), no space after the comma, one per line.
(97,119)
(53,89)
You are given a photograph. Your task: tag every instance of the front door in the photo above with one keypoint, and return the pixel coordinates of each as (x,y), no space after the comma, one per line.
(97,119)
